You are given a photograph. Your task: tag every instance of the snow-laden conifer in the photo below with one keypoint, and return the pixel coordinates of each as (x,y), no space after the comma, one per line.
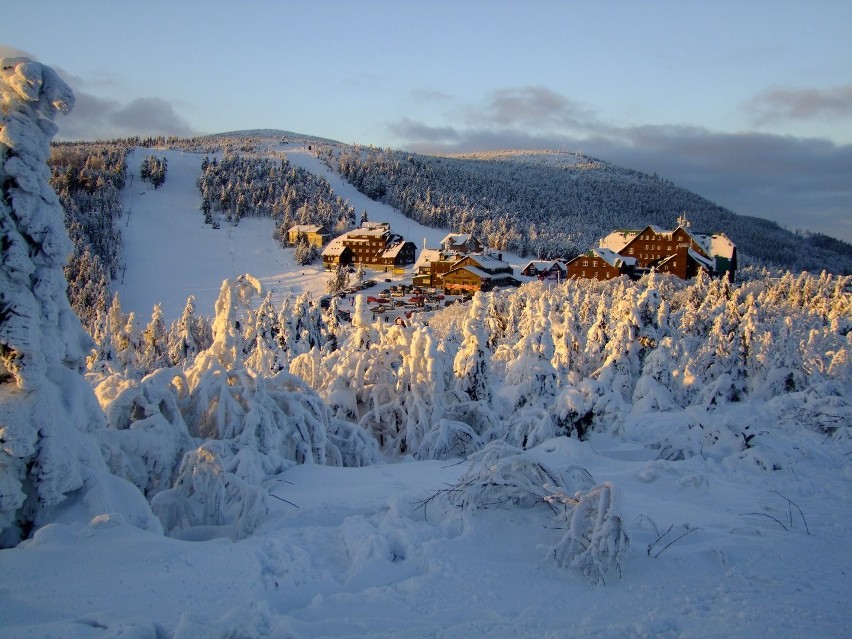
(47,411)
(472,362)
(254,426)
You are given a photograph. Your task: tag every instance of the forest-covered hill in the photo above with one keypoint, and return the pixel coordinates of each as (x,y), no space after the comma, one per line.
(556,204)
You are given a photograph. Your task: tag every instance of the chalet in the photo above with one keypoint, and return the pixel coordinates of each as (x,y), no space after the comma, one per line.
(546,270)
(432,265)
(336,254)
(478,272)
(423,267)
(316,235)
(460,243)
(372,245)
(680,252)
(600,264)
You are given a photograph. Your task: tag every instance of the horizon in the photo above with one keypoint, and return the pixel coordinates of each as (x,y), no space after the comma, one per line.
(720,100)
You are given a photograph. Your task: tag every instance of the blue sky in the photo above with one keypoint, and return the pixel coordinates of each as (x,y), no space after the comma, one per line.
(746,103)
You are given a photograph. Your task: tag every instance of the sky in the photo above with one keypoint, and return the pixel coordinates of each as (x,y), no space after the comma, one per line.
(746,103)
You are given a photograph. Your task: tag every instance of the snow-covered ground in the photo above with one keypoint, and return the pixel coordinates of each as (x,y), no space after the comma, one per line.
(717,548)
(354,554)
(170,253)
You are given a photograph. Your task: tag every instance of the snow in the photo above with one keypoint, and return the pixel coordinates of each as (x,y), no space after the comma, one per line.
(355,554)
(715,546)
(155,257)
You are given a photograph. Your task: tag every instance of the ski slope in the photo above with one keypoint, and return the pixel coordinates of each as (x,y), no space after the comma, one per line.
(171,254)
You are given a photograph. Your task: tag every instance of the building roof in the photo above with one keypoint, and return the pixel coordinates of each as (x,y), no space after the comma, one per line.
(394,250)
(612,258)
(488,261)
(456,239)
(334,248)
(426,257)
(617,240)
(722,246)
(472,269)
(370,232)
(543,265)
(708,263)
(483,275)
(305,228)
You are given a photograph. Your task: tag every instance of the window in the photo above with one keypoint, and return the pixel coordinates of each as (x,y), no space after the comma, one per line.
(594,262)
(630,252)
(585,262)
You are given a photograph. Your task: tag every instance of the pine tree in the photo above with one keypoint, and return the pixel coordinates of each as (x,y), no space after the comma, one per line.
(48,412)
(472,362)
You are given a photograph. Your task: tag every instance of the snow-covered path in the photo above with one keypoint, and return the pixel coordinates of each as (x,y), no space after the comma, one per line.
(166,241)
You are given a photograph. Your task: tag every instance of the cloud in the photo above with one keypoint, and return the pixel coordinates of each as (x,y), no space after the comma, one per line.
(782,103)
(430,95)
(419,133)
(802,183)
(96,118)
(531,106)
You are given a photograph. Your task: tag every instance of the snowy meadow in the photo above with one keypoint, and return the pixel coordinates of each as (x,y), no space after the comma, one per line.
(585,459)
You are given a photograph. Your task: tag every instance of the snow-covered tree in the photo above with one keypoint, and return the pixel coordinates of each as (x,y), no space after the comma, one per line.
(595,540)
(47,410)
(472,362)
(188,335)
(154,343)
(254,426)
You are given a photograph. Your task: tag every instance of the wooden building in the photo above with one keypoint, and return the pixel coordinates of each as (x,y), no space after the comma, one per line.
(460,243)
(315,235)
(600,264)
(478,272)
(546,269)
(680,251)
(372,245)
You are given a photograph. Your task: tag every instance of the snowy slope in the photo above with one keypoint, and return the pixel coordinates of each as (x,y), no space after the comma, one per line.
(171,254)
(377,211)
(716,550)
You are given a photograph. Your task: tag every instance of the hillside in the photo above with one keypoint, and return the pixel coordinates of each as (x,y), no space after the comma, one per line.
(533,203)
(553,204)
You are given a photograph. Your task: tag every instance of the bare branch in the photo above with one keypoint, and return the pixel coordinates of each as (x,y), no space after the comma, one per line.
(775,519)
